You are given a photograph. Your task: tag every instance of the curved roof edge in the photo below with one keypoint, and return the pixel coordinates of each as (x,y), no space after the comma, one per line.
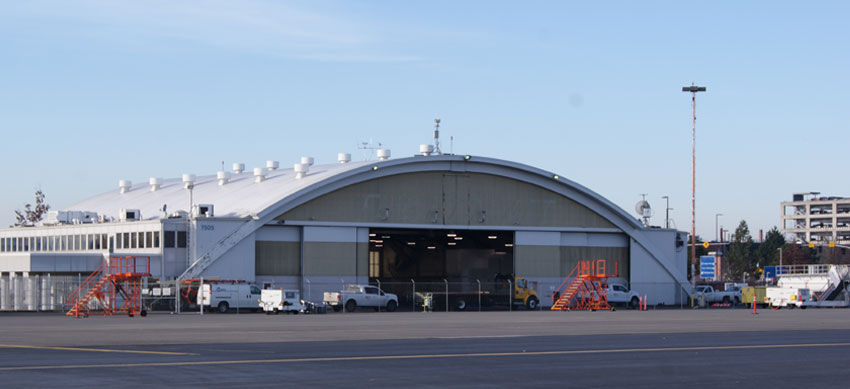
(460,164)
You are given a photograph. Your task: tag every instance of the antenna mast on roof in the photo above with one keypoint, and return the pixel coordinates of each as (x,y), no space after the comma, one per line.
(437,137)
(368,149)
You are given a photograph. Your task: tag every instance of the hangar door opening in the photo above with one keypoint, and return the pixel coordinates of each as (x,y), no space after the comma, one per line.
(470,263)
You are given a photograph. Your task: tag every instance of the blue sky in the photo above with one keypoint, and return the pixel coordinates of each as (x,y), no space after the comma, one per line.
(96,91)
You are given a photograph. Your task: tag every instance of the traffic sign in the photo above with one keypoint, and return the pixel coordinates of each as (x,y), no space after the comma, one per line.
(707,267)
(811,245)
(831,244)
(705,244)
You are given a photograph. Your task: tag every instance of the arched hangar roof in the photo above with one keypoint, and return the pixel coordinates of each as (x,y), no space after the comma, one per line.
(280,191)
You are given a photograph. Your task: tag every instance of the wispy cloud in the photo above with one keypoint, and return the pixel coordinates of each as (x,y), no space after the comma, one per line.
(273,28)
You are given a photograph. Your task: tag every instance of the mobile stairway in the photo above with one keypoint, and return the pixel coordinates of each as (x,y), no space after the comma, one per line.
(585,288)
(827,284)
(114,288)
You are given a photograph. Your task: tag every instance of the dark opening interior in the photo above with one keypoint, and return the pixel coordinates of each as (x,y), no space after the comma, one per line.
(399,255)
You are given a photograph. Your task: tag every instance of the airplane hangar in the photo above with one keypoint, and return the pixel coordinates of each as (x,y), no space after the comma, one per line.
(425,218)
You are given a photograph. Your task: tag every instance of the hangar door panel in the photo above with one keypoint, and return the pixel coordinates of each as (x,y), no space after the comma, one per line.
(455,199)
(277,258)
(570,255)
(451,199)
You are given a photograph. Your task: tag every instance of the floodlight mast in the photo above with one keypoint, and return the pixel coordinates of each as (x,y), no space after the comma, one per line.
(693,89)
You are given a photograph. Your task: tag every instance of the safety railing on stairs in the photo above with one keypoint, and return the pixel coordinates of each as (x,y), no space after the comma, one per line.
(588,289)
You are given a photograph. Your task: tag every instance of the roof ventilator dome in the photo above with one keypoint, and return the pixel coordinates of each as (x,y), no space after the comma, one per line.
(188,181)
(223,177)
(156,183)
(125,185)
(426,150)
(383,154)
(343,157)
(259,174)
(300,169)
(238,168)
(272,165)
(307,161)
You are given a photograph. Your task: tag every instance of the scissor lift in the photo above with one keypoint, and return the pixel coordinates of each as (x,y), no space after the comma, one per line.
(114,288)
(585,288)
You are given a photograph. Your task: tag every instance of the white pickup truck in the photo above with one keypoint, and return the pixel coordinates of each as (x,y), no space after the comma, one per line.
(619,294)
(710,296)
(361,296)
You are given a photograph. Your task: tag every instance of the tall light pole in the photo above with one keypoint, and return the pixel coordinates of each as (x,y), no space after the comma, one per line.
(716,230)
(693,89)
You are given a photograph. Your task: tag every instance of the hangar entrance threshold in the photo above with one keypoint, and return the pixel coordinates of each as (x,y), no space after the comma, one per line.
(411,263)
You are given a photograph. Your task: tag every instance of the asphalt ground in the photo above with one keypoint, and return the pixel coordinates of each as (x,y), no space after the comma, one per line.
(701,348)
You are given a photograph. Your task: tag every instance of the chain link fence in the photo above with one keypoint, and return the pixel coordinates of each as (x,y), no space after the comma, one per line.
(46,293)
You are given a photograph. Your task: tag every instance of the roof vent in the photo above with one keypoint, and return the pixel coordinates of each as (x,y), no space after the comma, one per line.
(238,168)
(300,169)
(426,150)
(223,177)
(127,215)
(156,183)
(125,185)
(203,210)
(343,157)
(307,161)
(188,181)
(259,174)
(272,165)
(383,154)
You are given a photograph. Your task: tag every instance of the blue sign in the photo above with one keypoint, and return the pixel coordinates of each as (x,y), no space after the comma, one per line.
(707,268)
(769,271)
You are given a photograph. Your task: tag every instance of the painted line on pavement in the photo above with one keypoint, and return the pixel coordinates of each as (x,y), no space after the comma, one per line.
(99,350)
(422,356)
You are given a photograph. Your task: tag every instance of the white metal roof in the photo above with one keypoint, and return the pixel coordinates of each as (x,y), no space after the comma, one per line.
(240,197)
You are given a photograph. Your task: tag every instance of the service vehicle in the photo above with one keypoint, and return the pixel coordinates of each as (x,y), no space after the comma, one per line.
(355,296)
(759,292)
(709,295)
(779,297)
(274,301)
(524,294)
(226,296)
(619,294)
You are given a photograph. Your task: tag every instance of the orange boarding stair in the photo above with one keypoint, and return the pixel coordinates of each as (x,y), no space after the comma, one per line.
(114,288)
(585,288)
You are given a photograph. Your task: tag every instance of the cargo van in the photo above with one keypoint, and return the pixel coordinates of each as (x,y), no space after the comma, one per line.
(224,297)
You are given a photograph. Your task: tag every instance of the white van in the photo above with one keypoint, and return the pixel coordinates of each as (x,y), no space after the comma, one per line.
(224,297)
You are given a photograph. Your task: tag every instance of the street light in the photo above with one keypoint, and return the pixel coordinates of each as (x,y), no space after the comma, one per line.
(693,89)
(716,230)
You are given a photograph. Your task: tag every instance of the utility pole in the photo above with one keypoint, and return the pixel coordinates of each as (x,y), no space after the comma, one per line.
(693,89)
(667,212)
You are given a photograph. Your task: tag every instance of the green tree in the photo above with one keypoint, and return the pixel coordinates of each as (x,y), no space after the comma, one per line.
(768,251)
(32,215)
(794,254)
(740,259)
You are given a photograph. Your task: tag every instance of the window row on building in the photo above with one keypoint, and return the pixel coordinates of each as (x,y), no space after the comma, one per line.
(93,242)
(75,242)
